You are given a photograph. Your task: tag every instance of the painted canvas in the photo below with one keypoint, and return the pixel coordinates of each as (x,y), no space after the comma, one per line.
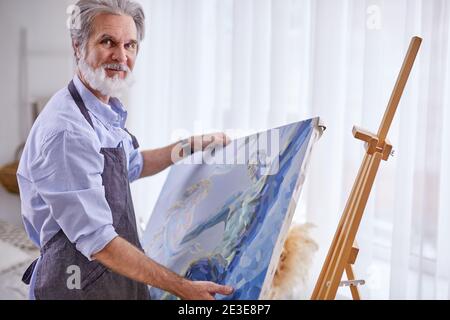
(223,214)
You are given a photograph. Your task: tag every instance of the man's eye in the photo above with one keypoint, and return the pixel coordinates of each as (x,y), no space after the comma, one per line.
(132,46)
(107,42)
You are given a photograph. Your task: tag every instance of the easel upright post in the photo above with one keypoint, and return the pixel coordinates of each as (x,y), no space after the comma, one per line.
(377,148)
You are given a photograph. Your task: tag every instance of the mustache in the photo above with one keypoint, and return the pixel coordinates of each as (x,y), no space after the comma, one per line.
(116,67)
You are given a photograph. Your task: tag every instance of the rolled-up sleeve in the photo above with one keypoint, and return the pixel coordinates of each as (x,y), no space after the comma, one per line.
(67,175)
(135,165)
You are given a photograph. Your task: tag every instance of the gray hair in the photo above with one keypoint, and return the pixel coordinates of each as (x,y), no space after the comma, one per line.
(85,12)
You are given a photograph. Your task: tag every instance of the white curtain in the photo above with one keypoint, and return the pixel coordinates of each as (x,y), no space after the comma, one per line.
(247,65)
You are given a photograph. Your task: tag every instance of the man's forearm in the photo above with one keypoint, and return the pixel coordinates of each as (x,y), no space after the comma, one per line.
(157,160)
(122,257)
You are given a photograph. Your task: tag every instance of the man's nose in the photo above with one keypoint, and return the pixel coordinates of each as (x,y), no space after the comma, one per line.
(120,54)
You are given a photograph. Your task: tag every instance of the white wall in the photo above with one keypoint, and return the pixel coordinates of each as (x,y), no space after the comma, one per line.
(49,68)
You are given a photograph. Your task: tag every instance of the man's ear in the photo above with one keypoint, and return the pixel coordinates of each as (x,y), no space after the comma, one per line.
(76,50)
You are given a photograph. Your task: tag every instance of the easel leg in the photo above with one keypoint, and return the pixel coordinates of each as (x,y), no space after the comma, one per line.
(351,276)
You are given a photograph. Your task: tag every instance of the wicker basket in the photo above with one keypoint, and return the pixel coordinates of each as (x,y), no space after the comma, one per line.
(8,177)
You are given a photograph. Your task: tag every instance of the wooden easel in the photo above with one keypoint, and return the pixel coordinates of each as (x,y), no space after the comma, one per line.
(343,253)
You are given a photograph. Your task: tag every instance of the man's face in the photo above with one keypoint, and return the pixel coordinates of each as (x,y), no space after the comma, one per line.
(113,41)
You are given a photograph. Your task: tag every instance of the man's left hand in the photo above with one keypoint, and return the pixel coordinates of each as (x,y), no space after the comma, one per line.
(209,141)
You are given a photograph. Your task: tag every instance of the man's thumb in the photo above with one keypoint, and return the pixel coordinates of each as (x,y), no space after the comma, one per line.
(225,290)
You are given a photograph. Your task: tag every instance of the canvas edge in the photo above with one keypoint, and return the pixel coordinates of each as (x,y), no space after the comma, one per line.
(318,129)
(143,240)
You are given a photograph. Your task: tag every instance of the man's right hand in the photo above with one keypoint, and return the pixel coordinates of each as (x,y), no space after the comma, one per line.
(203,290)
(123,258)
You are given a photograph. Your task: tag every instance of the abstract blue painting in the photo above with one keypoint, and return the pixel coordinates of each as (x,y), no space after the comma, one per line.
(223,214)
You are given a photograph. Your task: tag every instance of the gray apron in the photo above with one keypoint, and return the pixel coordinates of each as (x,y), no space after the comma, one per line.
(58,254)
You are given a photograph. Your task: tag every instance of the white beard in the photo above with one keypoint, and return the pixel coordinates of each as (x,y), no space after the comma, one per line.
(98,80)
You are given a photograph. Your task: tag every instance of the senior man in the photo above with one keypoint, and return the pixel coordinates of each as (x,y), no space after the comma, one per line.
(76,167)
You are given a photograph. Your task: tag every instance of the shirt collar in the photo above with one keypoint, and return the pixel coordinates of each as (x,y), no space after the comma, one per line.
(112,114)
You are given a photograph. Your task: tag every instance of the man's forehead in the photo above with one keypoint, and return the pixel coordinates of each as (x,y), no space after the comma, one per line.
(120,27)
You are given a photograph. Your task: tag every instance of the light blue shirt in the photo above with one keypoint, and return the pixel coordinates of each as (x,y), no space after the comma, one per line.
(60,170)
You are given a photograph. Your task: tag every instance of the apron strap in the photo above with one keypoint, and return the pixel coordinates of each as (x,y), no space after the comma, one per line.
(133,138)
(26,278)
(80,103)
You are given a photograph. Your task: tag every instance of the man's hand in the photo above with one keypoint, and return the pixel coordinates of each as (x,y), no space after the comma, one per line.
(209,141)
(123,258)
(158,160)
(202,290)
